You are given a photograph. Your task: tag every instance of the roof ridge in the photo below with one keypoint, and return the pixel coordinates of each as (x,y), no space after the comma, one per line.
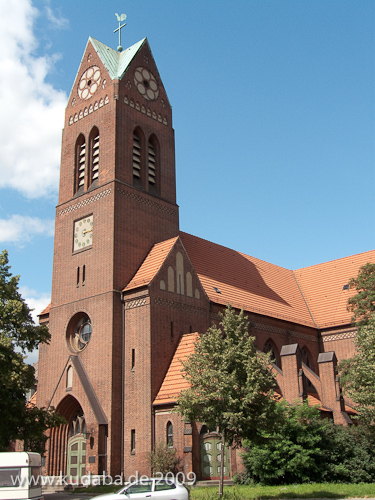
(237,251)
(334,260)
(115,62)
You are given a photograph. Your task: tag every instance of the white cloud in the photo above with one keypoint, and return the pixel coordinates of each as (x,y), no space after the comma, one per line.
(35,300)
(20,228)
(31,110)
(60,22)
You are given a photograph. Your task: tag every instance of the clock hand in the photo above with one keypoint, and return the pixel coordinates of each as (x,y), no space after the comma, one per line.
(87,231)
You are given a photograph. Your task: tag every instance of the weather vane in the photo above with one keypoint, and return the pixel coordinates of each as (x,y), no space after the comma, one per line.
(120,19)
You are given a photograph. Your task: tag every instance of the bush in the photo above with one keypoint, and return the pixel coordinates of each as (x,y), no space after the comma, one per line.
(164,459)
(306,448)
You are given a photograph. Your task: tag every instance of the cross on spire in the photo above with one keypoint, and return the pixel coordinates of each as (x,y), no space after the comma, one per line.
(120,18)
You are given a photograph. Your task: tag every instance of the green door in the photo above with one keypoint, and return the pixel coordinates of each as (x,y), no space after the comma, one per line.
(211,456)
(76,467)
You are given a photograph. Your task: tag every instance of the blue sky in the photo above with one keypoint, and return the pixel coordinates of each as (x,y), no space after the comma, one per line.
(273,110)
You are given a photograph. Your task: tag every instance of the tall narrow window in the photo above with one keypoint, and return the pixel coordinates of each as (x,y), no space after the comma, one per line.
(132,442)
(137,158)
(77,276)
(169,435)
(152,164)
(94,152)
(133,360)
(80,166)
(83,274)
(69,378)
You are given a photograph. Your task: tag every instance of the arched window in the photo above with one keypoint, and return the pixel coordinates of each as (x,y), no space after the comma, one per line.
(137,158)
(169,435)
(69,377)
(305,357)
(94,155)
(269,347)
(78,425)
(152,163)
(80,164)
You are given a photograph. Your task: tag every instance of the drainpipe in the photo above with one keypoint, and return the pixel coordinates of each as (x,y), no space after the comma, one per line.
(122,383)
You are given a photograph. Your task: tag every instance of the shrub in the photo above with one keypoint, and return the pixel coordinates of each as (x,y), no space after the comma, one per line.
(164,459)
(306,448)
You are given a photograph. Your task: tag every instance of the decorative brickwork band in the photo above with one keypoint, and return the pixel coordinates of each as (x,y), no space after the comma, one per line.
(135,303)
(146,111)
(85,202)
(339,336)
(87,111)
(146,201)
(182,307)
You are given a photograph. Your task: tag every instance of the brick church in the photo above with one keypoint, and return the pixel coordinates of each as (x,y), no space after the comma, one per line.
(131,292)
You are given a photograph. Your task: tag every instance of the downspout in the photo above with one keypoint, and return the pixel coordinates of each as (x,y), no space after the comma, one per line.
(122,384)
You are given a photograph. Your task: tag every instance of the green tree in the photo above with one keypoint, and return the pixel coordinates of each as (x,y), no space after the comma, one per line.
(231,383)
(363,303)
(19,334)
(358,372)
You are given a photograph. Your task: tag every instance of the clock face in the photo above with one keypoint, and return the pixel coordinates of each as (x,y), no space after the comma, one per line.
(83,233)
(89,82)
(146,83)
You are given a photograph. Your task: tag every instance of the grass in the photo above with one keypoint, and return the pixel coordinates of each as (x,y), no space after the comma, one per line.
(326,490)
(240,492)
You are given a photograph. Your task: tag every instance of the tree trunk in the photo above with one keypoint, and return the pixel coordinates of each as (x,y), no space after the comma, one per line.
(221,480)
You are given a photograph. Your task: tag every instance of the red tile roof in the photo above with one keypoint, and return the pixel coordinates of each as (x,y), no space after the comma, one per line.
(174,382)
(247,282)
(322,286)
(151,265)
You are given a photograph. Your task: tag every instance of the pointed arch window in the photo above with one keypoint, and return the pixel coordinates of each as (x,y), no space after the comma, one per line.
(94,155)
(270,347)
(80,164)
(137,157)
(152,163)
(170,435)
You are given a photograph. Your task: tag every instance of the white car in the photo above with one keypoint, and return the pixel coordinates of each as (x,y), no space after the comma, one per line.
(150,488)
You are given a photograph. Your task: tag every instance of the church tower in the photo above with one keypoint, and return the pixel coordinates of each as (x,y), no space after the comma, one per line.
(117,198)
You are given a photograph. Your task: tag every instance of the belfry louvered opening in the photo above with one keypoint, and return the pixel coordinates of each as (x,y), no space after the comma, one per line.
(136,155)
(94,155)
(80,166)
(151,163)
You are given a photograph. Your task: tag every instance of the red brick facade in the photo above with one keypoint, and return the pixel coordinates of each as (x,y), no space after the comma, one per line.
(136,310)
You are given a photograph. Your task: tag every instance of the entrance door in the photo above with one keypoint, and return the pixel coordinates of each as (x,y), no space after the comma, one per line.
(76,466)
(211,456)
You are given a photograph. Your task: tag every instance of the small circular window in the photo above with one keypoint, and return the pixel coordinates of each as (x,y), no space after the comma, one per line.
(79,332)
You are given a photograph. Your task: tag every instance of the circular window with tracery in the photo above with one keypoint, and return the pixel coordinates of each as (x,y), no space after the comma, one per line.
(79,332)
(89,82)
